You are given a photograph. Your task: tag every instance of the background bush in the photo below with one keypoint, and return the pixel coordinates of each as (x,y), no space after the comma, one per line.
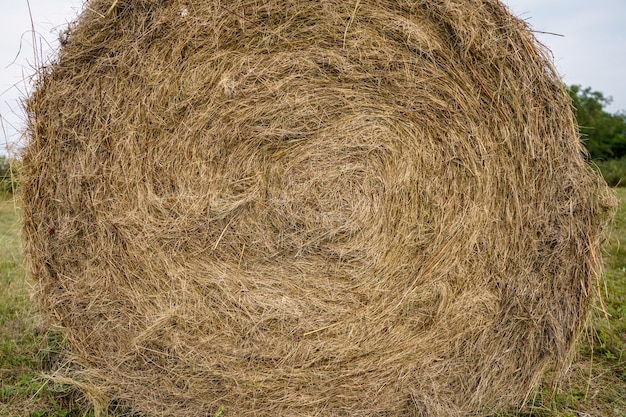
(613,171)
(603,133)
(8,174)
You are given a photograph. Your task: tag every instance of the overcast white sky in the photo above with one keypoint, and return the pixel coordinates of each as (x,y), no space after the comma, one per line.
(590,52)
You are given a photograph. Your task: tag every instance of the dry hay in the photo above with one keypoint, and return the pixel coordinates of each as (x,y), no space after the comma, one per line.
(309,208)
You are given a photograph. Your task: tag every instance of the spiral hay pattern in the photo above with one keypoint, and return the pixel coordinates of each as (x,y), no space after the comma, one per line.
(309,208)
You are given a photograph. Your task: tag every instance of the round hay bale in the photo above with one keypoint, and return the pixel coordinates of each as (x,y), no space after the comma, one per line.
(298,208)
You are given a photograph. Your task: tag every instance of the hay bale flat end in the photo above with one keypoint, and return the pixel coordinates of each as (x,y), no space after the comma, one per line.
(290,208)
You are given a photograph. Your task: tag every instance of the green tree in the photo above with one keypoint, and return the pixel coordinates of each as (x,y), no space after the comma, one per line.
(604,134)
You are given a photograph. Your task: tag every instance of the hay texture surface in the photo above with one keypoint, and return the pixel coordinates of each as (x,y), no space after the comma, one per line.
(309,208)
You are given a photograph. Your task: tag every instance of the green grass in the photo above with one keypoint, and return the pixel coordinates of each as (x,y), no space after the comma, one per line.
(27,351)
(596,385)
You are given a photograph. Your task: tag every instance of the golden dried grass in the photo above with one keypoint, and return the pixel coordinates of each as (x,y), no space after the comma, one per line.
(290,208)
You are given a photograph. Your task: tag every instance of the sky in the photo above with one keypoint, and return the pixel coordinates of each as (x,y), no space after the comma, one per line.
(587,40)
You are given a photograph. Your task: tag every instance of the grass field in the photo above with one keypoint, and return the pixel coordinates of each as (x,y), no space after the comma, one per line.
(596,385)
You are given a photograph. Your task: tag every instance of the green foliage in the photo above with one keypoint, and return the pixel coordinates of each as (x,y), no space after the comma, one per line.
(604,134)
(8,174)
(613,171)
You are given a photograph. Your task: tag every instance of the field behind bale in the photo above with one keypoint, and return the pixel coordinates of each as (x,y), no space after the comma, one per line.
(29,353)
